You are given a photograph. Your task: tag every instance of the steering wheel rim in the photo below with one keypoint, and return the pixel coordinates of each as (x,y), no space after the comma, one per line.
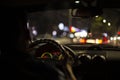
(66,66)
(52,42)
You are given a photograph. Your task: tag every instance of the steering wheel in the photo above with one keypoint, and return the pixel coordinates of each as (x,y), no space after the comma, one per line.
(55,45)
(63,50)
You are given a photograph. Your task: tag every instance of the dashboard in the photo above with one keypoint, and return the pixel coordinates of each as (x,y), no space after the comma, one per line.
(93,52)
(84,54)
(96,64)
(88,62)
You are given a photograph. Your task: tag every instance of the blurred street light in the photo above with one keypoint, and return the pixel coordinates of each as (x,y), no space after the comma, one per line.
(96,16)
(77,2)
(61,26)
(54,33)
(109,24)
(104,21)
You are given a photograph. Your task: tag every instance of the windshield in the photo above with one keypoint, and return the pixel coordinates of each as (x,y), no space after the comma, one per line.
(65,28)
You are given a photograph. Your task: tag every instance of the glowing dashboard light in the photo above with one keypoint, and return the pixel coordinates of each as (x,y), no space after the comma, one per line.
(46,55)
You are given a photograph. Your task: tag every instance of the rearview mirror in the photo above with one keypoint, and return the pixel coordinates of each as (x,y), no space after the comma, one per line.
(86,12)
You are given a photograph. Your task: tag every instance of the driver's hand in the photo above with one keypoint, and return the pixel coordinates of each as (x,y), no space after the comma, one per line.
(69,68)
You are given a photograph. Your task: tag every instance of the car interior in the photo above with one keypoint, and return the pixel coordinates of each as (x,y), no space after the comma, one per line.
(28,50)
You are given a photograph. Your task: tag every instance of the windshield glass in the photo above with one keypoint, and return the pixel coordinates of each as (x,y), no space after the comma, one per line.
(65,28)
